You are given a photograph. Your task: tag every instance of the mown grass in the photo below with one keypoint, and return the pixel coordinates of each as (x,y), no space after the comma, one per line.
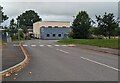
(108,43)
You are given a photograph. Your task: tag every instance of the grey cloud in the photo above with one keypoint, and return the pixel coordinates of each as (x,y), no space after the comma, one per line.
(60,10)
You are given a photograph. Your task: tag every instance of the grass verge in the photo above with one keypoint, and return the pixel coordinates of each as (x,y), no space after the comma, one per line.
(108,43)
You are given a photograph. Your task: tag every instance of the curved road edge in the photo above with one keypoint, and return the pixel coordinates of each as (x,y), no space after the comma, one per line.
(8,72)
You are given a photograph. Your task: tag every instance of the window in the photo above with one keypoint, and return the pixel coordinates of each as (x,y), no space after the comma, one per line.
(63,26)
(53,35)
(59,35)
(43,27)
(56,26)
(49,26)
(48,35)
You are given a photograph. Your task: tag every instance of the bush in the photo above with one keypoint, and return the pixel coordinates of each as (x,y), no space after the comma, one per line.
(70,34)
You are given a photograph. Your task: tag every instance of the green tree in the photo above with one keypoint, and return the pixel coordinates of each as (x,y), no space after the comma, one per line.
(81,26)
(95,31)
(25,32)
(116,32)
(13,30)
(107,24)
(2,16)
(28,18)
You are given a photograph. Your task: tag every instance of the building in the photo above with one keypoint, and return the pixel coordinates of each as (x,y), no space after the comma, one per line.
(51,29)
(54,33)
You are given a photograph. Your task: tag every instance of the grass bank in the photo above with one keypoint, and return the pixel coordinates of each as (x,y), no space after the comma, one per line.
(108,43)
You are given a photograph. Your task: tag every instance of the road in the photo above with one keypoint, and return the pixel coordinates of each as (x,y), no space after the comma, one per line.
(54,62)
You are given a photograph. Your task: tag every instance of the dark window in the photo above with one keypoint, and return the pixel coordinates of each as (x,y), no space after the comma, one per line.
(56,26)
(53,35)
(59,35)
(63,26)
(43,26)
(48,35)
(49,26)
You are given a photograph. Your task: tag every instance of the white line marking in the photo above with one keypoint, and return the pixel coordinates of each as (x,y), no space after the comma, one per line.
(57,45)
(63,51)
(41,45)
(100,63)
(49,45)
(25,45)
(33,45)
(63,45)
(71,45)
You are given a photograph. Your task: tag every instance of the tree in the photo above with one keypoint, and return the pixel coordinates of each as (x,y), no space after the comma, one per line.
(2,16)
(116,32)
(95,31)
(28,18)
(13,30)
(81,26)
(25,31)
(107,24)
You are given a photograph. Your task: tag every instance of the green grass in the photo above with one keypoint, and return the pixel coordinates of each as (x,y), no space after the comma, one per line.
(108,43)
(2,42)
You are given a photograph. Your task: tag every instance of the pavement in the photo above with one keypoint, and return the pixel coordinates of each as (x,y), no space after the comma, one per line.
(54,62)
(11,55)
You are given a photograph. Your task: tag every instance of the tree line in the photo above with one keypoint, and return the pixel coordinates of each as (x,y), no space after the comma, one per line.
(82,26)
(19,29)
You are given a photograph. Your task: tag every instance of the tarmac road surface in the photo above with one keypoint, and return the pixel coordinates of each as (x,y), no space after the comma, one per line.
(54,62)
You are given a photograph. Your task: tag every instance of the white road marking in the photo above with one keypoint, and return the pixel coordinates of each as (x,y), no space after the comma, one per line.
(41,45)
(33,45)
(63,51)
(71,45)
(57,45)
(25,45)
(49,45)
(100,63)
(63,45)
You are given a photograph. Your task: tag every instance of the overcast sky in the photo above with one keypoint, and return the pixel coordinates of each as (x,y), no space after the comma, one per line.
(59,11)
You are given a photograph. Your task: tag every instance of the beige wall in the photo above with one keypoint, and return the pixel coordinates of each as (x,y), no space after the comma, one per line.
(37,25)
